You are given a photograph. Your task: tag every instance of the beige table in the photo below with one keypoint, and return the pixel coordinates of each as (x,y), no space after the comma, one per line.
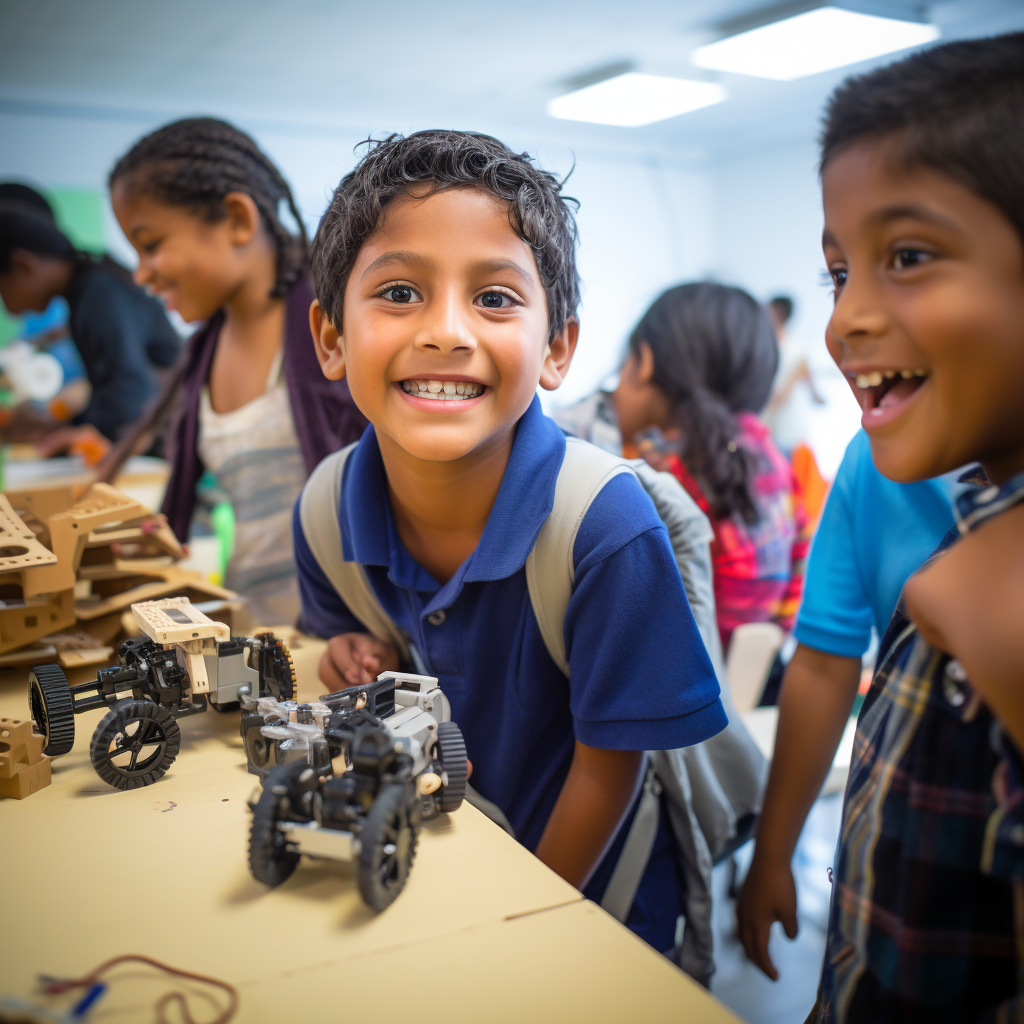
(483,931)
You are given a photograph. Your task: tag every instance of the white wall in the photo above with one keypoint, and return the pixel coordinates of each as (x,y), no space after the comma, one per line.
(644,225)
(767,239)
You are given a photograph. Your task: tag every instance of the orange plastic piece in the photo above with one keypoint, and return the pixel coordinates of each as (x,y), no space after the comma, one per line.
(24,768)
(91,449)
(813,486)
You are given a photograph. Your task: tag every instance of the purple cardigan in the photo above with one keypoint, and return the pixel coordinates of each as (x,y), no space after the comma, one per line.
(325,416)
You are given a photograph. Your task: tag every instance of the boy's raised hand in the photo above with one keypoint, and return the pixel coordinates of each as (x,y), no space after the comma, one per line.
(355,659)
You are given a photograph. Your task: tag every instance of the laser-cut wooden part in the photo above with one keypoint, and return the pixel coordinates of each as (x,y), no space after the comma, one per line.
(112,595)
(28,620)
(175,620)
(24,768)
(43,501)
(84,657)
(20,552)
(102,505)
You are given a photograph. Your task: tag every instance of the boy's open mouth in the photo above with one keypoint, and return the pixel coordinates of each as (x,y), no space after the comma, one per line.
(443,390)
(884,392)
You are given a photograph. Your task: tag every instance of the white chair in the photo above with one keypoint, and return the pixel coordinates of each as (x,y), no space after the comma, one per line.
(752,651)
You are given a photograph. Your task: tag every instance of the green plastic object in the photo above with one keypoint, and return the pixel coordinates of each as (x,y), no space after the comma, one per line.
(223,520)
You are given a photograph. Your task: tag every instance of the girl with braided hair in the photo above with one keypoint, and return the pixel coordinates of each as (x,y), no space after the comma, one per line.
(201,204)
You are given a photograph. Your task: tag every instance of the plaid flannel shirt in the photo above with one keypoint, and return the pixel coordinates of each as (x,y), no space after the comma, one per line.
(928,891)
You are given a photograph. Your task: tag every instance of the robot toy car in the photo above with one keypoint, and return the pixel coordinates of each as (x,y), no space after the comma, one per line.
(352,777)
(181,663)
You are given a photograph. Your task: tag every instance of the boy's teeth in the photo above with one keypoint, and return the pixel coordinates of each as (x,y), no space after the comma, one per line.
(442,390)
(875,377)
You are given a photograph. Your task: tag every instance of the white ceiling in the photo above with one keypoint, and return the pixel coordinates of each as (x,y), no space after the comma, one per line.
(311,65)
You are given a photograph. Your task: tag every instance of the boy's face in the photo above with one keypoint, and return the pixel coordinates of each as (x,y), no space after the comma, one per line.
(445,327)
(928,325)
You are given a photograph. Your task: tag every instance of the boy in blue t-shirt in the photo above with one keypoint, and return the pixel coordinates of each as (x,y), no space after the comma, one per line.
(447,291)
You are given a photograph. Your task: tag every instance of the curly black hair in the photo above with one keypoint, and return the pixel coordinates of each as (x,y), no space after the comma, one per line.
(715,355)
(196,162)
(439,160)
(958,108)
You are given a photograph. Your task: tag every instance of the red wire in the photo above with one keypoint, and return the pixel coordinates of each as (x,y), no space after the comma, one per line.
(164,1000)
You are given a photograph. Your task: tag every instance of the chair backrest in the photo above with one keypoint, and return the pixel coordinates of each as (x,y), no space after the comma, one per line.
(752,650)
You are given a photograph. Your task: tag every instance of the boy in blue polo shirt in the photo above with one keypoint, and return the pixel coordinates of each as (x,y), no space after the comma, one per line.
(447,291)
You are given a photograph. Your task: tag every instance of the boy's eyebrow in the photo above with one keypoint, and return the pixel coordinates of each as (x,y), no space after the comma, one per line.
(391,258)
(494,266)
(916,212)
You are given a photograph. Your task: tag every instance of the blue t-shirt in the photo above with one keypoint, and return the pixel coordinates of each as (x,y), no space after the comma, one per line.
(640,676)
(873,534)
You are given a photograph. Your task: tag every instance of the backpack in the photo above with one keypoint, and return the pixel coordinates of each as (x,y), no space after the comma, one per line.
(712,790)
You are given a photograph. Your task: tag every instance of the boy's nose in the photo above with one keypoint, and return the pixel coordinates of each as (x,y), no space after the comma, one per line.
(858,316)
(445,329)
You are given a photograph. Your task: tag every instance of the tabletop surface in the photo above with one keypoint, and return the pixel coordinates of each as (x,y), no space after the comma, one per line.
(483,930)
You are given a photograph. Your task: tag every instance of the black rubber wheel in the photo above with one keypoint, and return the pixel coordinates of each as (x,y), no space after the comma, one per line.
(277,671)
(451,749)
(52,707)
(134,744)
(387,847)
(270,860)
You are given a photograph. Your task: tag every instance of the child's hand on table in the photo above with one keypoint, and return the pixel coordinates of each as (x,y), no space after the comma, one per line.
(355,659)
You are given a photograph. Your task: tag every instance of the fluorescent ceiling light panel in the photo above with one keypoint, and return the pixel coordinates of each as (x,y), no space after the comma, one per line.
(818,40)
(632,99)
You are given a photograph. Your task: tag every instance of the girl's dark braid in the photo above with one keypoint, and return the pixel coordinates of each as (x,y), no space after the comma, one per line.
(196,162)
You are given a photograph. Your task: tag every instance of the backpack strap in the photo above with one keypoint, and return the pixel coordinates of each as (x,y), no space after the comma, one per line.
(550,573)
(319,509)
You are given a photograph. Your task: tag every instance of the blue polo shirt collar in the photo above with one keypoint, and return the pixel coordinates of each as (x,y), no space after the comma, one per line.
(524,501)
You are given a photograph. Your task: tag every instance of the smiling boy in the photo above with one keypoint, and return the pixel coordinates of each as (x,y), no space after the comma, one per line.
(447,291)
(923,188)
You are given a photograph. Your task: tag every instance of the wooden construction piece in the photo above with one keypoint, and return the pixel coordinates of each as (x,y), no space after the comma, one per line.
(102,505)
(22,622)
(24,768)
(20,552)
(84,657)
(113,595)
(42,502)
(175,620)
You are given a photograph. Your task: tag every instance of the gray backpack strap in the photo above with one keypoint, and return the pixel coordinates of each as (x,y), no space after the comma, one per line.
(550,572)
(319,507)
(636,852)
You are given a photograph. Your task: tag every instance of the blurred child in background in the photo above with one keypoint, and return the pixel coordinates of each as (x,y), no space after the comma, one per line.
(699,369)
(122,335)
(200,203)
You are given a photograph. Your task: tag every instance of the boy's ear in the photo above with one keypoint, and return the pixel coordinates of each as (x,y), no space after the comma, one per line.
(559,355)
(243,217)
(326,342)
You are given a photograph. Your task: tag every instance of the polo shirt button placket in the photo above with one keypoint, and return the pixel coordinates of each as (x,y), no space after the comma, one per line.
(437,618)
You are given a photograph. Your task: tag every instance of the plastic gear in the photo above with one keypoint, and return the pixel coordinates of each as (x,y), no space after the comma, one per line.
(451,748)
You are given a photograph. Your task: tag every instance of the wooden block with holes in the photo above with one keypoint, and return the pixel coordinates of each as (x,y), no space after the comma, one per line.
(24,768)
(31,608)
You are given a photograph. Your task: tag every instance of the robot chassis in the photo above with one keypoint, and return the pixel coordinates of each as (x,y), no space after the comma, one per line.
(351,778)
(181,663)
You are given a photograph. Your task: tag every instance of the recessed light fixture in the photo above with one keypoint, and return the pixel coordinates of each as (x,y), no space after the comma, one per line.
(818,40)
(633,99)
